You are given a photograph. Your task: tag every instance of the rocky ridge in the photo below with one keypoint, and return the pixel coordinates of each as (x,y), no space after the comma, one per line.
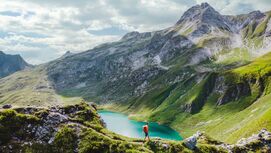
(11,63)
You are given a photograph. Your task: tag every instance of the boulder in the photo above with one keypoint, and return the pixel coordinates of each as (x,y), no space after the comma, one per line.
(7,106)
(191,142)
(92,104)
(165,146)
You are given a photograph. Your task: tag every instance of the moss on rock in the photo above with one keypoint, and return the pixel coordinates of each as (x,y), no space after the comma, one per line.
(65,140)
(11,124)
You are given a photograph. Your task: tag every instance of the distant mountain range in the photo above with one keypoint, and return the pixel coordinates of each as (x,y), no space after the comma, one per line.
(11,63)
(203,73)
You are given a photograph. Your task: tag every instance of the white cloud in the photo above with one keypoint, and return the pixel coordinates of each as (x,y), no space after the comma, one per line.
(44,30)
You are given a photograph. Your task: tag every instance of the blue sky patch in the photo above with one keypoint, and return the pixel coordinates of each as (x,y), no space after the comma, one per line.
(10,13)
(29,14)
(3,34)
(33,35)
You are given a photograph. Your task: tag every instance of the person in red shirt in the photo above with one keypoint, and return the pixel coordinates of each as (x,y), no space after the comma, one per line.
(146,131)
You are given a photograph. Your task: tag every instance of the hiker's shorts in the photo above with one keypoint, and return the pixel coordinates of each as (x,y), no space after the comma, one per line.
(146,134)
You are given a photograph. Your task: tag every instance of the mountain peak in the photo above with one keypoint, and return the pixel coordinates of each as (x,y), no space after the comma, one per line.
(256,15)
(67,53)
(11,63)
(204,16)
(197,12)
(205,5)
(131,35)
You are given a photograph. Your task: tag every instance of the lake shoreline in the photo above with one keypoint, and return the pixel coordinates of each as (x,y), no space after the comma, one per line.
(120,123)
(123,109)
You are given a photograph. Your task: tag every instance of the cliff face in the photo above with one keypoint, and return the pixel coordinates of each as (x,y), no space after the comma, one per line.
(11,63)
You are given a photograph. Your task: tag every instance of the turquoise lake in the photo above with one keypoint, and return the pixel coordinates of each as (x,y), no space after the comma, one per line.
(121,124)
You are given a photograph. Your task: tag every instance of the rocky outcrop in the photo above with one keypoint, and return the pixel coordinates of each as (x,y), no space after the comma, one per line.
(7,106)
(28,127)
(78,128)
(260,142)
(241,21)
(191,142)
(67,54)
(205,90)
(234,93)
(74,128)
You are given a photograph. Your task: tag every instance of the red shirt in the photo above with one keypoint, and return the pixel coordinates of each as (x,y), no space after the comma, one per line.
(146,128)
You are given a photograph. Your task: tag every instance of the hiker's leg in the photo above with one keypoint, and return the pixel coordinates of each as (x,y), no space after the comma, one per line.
(146,136)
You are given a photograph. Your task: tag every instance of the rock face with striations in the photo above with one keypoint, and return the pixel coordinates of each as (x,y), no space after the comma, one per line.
(127,68)
(204,17)
(11,63)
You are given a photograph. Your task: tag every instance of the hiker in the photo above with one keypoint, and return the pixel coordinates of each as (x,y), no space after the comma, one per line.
(146,131)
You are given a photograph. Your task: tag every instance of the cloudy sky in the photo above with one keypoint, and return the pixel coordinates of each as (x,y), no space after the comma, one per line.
(42,30)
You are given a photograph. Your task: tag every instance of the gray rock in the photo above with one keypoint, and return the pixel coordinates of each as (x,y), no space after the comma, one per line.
(55,118)
(51,140)
(191,142)
(7,106)
(92,104)
(165,146)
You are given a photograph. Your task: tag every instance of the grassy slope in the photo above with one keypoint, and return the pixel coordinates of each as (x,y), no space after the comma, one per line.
(31,87)
(228,122)
(231,121)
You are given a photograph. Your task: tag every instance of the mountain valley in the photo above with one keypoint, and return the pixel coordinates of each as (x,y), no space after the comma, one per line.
(208,72)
